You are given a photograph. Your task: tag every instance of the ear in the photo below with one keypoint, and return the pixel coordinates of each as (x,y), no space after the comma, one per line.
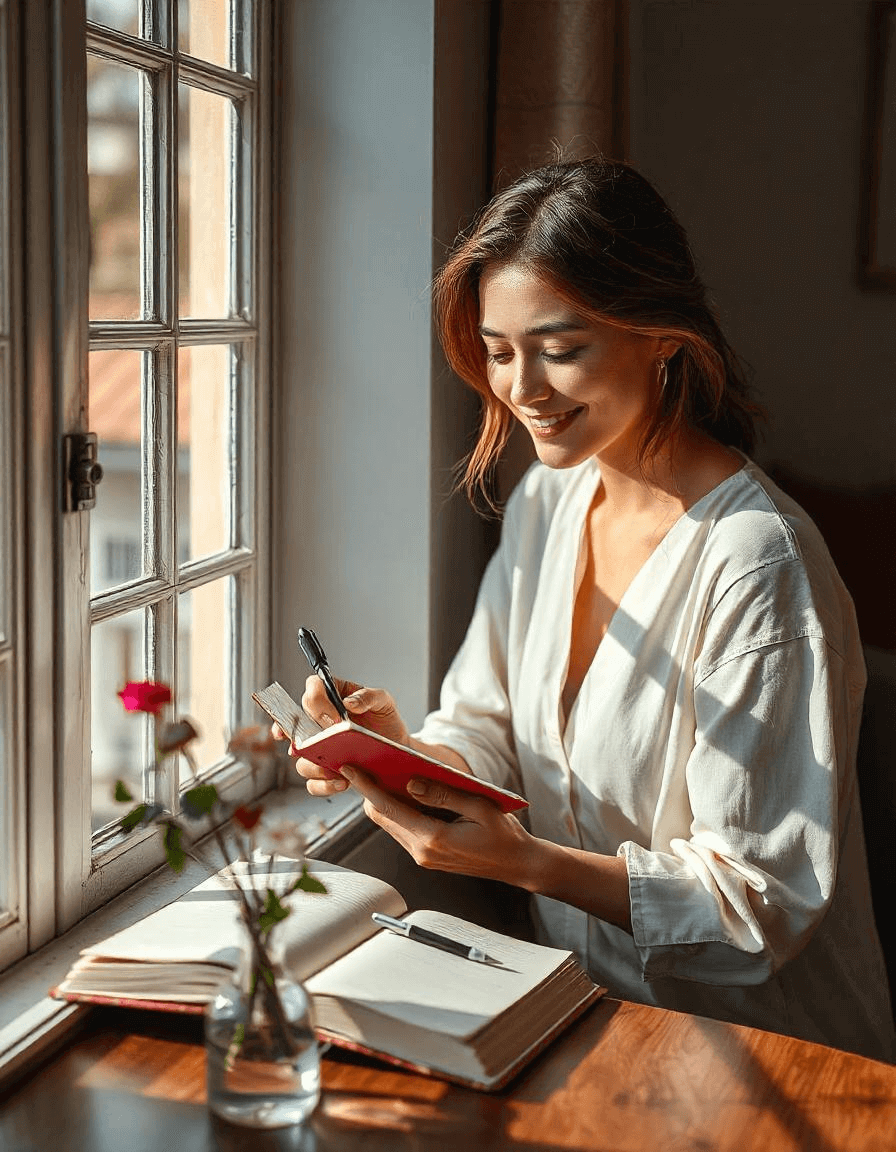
(668,346)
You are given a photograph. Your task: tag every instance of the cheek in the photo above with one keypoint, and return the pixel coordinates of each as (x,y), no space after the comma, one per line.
(498,382)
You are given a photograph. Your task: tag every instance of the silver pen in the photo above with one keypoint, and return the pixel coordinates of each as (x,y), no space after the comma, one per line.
(424,936)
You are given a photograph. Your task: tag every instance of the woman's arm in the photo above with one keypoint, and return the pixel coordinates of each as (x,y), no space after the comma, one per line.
(494,845)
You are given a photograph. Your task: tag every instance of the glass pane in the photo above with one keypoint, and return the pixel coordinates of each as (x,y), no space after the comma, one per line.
(205,465)
(120,14)
(116,523)
(118,738)
(204,623)
(6,789)
(216,30)
(6,520)
(113,164)
(205,176)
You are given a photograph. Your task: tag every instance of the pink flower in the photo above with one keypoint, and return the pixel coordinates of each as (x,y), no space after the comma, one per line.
(145,696)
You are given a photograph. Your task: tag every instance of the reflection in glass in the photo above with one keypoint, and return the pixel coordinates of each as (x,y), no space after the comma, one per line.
(118,738)
(113,165)
(204,666)
(120,14)
(206,467)
(116,523)
(205,178)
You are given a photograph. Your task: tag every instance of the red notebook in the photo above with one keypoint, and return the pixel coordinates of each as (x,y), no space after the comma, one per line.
(392,765)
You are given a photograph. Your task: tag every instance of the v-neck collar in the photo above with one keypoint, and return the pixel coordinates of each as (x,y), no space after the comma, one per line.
(690,514)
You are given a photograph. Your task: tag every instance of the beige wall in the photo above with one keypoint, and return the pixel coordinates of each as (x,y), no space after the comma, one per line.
(748,116)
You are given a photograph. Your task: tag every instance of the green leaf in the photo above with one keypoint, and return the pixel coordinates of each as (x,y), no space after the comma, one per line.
(308,883)
(122,795)
(174,853)
(272,912)
(133,818)
(199,801)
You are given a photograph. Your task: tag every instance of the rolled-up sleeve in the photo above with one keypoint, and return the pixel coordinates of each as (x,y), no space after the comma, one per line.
(742,893)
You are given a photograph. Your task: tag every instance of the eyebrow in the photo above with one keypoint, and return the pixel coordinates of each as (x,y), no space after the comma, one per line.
(540,329)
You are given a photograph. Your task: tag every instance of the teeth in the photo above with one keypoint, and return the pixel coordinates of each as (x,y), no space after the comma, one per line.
(547,421)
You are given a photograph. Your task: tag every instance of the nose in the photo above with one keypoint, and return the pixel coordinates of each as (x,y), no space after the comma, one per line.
(530,383)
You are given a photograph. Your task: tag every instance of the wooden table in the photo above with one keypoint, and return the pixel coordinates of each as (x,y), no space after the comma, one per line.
(625,1077)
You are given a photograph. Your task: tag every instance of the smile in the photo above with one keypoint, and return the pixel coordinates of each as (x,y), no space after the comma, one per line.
(554,424)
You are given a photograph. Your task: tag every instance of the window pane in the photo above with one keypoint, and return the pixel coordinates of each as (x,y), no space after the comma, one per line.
(6,519)
(116,523)
(204,625)
(206,476)
(6,784)
(120,14)
(118,738)
(113,163)
(205,182)
(216,30)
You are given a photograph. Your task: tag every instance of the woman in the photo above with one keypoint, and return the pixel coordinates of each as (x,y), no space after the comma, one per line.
(662,658)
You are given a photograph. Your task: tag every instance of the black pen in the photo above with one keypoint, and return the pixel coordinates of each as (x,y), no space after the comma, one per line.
(316,657)
(423,936)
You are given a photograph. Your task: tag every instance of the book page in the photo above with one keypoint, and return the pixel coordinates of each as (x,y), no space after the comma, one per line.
(432,989)
(203,924)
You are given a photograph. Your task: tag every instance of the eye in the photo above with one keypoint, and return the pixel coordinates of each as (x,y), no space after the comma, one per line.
(563,357)
(497,357)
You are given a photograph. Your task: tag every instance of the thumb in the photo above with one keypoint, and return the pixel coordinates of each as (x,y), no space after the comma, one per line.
(435,794)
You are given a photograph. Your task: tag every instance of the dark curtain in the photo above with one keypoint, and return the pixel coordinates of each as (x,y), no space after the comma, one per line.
(558,80)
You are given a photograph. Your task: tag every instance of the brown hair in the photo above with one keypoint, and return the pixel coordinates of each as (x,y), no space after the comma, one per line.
(605,241)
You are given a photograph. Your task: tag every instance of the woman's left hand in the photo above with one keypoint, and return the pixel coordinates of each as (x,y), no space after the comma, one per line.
(482,841)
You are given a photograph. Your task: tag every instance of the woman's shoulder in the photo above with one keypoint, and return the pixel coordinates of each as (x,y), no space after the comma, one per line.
(770,563)
(749,515)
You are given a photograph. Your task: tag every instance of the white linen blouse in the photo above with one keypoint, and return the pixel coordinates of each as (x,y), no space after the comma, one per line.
(712,746)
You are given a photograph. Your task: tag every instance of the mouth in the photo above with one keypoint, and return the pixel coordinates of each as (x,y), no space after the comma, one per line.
(553,425)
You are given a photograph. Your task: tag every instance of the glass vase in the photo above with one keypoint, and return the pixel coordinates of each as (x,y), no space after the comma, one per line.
(263,1060)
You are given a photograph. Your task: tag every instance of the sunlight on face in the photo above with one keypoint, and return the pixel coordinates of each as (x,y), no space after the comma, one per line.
(581,387)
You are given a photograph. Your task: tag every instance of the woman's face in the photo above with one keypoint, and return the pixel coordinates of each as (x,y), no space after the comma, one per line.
(582,388)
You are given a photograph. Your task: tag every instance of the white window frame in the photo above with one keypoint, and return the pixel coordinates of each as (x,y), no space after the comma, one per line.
(68,874)
(14,891)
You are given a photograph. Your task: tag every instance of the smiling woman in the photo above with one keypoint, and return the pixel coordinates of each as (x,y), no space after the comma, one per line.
(581,387)
(663,659)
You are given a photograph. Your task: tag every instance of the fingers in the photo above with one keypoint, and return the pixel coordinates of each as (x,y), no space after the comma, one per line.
(382,807)
(434,794)
(317,704)
(319,781)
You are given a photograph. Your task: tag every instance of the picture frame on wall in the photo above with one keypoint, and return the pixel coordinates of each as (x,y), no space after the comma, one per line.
(877,248)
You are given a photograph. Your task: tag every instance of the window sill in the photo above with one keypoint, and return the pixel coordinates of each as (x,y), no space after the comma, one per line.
(32,1022)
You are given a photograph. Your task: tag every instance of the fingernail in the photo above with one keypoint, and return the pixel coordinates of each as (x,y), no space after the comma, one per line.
(340,785)
(352,700)
(348,773)
(417,787)
(326,721)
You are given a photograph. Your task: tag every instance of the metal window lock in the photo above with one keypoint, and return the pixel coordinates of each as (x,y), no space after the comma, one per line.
(82,471)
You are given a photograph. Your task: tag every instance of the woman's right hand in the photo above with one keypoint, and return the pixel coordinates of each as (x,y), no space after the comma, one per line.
(372,708)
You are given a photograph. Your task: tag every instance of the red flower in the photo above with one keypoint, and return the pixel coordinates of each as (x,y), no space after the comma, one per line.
(247,817)
(145,696)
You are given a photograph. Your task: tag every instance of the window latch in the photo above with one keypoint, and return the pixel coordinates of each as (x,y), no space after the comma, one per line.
(82,471)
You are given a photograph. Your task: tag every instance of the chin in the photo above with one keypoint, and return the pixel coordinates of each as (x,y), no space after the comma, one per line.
(559,458)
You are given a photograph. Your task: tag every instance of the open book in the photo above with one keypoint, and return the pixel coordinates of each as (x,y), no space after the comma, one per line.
(372,990)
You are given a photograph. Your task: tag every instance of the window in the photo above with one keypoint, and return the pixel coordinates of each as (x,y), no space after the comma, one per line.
(148,314)
(12,781)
